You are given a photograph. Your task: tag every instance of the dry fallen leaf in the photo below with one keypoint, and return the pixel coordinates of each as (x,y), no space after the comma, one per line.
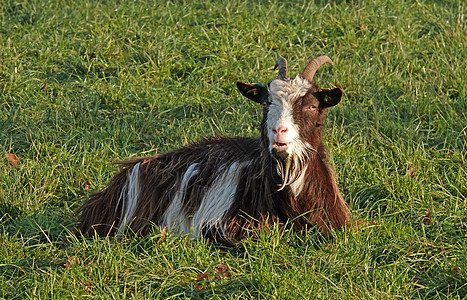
(427,219)
(86,185)
(87,285)
(12,158)
(411,172)
(163,233)
(71,261)
(223,271)
(79,182)
(202,280)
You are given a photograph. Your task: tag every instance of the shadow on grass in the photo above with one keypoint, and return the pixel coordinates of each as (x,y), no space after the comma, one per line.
(373,200)
(31,244)
(8,213)
(34,228)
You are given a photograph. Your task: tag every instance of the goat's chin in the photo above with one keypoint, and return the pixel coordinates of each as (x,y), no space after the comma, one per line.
(281,155)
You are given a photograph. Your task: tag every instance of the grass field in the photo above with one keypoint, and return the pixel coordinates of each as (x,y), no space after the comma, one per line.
(86,83)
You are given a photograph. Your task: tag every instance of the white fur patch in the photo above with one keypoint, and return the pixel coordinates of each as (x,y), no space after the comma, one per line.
(174,218)
(297,186)
(217,201)
(131,189)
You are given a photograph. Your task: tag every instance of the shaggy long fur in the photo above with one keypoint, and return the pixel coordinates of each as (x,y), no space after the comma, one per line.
(221,187)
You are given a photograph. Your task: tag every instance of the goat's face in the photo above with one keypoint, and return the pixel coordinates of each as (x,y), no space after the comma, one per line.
(293,114)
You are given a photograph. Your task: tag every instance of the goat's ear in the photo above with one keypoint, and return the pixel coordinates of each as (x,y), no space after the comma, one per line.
(255,92)
(328,98)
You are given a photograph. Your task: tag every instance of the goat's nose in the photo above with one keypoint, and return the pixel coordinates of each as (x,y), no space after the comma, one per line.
(280,130)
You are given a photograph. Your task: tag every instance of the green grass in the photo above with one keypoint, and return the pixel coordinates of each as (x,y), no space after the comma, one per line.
(85,83)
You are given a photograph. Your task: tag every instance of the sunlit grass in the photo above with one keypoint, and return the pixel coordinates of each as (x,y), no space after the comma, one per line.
(86,83)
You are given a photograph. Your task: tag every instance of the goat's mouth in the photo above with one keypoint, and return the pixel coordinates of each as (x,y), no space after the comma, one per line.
(279,150)
(280,146)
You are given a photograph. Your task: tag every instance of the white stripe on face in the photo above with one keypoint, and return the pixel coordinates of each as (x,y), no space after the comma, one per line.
(174,218)
(282,96)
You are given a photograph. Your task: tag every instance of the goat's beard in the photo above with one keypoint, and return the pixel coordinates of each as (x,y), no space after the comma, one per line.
(291,167)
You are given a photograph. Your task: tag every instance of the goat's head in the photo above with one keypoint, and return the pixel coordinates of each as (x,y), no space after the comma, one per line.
(293,111)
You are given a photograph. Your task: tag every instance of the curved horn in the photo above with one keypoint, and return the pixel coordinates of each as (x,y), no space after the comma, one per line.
(310,70)
(282,65)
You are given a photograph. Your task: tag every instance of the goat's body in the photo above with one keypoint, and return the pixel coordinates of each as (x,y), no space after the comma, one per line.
(221,187)
(217,188)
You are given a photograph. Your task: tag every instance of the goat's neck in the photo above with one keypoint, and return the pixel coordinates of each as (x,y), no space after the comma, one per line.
(317,185)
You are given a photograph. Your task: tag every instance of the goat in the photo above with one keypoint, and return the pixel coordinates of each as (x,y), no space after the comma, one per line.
(222,187)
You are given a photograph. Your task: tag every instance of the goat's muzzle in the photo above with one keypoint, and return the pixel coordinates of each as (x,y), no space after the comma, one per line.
(281,137)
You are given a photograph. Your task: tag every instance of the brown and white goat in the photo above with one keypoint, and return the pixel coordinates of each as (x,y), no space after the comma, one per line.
(221,187)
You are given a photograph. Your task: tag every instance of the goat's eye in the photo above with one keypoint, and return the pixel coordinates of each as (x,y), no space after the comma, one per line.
(313,107)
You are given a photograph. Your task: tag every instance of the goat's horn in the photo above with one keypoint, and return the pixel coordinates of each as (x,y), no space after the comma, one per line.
(310,70)
(282,65)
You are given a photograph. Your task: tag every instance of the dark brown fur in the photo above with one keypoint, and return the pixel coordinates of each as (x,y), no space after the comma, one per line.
(256,199)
